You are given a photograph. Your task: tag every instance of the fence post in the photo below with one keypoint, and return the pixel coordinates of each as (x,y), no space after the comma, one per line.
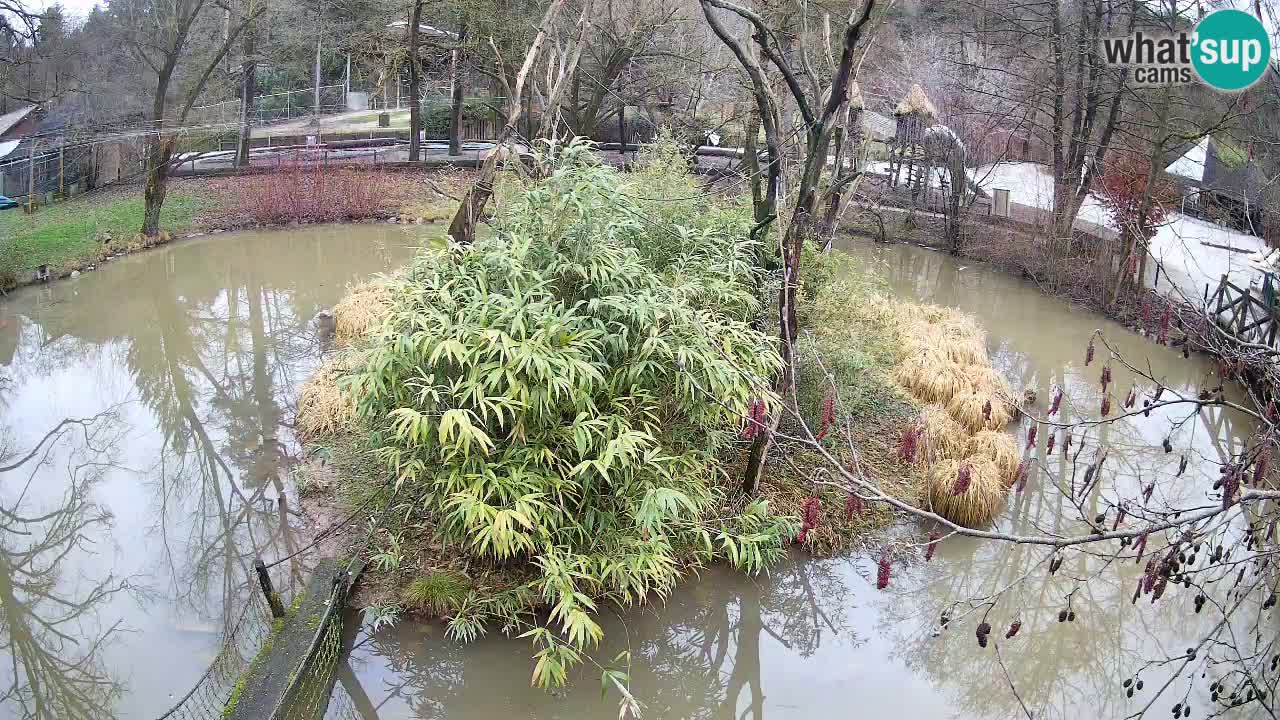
(264,579)
(528,116)
(31,179)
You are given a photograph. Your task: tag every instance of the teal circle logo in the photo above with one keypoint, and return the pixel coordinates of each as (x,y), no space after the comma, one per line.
(1231,50)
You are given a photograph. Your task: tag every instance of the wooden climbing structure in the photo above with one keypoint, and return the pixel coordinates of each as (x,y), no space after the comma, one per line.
(914,114)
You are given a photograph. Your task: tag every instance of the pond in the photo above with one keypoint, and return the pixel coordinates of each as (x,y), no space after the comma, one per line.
(167,380)
(128,536)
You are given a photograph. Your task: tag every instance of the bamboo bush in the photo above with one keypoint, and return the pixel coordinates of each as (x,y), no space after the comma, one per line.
(559,393)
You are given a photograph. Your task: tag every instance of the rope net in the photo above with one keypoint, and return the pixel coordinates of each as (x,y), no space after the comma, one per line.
(236,652)
(307,695)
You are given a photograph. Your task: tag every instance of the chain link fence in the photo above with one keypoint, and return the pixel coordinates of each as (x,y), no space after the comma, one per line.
(273,107)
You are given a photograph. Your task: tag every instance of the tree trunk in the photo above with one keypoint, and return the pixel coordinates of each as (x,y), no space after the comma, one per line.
(622,131)
(159,152)
(316,99)
(801,226)
(751,163)
(455,100)
(248,88)
(462,228)
(415,107)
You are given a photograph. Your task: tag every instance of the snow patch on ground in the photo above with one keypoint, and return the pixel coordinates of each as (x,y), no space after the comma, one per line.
(1191,252)
(1183,245)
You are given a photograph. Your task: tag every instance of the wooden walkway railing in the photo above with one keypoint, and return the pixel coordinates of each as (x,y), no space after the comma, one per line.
(1243,313)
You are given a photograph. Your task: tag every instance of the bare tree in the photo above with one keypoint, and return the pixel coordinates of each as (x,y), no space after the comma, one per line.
(821,107)
(415,86)
(457,89)
(462,227)
(169,39)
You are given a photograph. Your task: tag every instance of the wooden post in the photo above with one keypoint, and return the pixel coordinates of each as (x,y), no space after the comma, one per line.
(528,115)
(264,580)
(62,171)
(31,179)
(622,132)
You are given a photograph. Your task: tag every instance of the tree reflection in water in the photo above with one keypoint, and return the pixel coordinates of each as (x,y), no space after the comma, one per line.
(203,344)
(48,628)
(698,656)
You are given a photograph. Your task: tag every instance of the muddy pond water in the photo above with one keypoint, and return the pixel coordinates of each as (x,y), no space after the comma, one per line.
(127,536)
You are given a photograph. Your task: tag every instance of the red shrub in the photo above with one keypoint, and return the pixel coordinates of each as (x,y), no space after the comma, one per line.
(310,196)
(1123,185)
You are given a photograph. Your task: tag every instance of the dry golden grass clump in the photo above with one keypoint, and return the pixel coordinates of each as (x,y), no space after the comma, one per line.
(984,378)
(941,437)
(957,339)
(978,411)
(978,503)
(324,408)
(943,362)
(1001,448)
(362,310)
(930,377)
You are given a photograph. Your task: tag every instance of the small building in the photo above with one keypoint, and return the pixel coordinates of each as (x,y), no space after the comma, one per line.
(18,123)
(34,142)
(1218,182)
(15,126)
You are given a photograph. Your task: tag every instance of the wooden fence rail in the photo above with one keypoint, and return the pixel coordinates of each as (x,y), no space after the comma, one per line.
(1243,313)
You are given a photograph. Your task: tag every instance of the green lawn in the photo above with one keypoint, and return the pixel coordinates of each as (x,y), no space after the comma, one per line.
(67,234)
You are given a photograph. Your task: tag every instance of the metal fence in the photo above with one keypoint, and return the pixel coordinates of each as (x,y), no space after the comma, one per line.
(273,107)
(395,95)
(58,172)
(311,684)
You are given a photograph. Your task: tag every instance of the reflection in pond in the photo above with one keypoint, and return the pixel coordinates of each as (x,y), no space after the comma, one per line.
(197,349)
(48,626)
(717,649)
(814,638)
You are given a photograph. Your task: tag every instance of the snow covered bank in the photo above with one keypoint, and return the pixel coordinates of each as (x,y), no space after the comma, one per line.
(1192,252)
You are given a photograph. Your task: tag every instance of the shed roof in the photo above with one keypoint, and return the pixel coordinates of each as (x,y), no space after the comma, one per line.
(9,120)
(1188,160)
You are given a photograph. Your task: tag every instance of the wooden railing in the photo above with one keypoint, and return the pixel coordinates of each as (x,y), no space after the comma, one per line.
(1242,313)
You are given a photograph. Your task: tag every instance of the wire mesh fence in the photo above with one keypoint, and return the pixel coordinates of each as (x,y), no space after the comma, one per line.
(306,697)
(341,705)
(312,678)
(236,652)
(274,107)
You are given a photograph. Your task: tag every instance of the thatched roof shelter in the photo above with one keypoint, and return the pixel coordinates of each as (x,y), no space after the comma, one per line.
(855,96)
(916,103)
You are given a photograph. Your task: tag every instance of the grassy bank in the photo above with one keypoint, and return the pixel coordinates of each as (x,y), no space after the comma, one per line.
(80,232)
(69,235)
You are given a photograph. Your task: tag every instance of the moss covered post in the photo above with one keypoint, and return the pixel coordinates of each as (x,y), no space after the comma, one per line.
(264,580)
